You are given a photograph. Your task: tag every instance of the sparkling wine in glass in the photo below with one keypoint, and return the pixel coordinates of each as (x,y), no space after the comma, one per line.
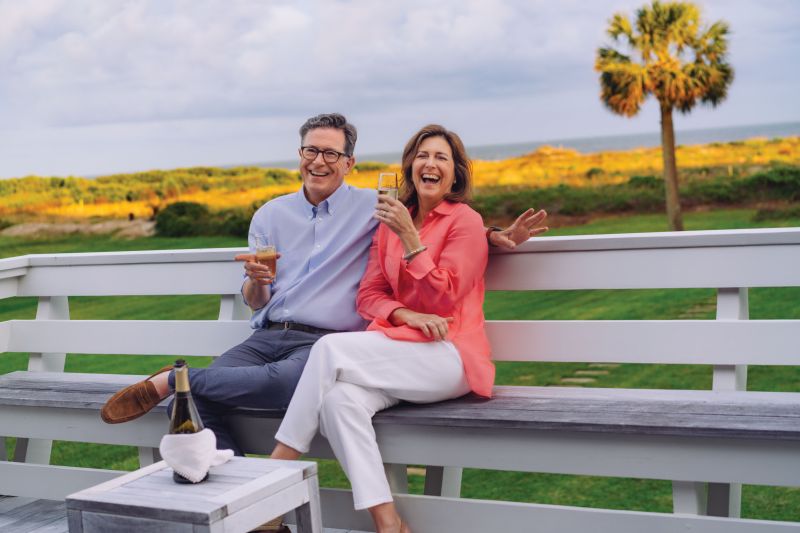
(387,184)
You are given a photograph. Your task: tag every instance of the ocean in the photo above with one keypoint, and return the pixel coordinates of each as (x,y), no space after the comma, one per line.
(598,144)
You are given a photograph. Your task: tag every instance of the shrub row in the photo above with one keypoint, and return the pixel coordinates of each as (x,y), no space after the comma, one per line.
(155,184)
(187,219)
(642,194)
(777,214)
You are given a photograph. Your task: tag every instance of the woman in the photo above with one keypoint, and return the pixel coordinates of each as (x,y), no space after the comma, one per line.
(423,291)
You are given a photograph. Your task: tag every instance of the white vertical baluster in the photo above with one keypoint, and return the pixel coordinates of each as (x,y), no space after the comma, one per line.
(148,456)
(397,476)
(718,499)
(732,304)
(689,497)
(232,307)
(49,308)
(443,481)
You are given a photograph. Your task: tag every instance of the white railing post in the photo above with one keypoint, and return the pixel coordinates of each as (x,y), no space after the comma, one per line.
(732,304)
(443,481)
(718,499)
(689,497)
(49,308)
(148,456)
(232,307)
(397,476)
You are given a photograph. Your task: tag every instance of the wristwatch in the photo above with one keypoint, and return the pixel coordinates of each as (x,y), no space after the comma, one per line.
(489,231)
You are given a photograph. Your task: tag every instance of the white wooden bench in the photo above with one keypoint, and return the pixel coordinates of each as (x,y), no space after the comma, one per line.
(706,442)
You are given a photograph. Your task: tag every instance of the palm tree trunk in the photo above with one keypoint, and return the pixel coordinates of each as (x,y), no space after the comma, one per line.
(670,170)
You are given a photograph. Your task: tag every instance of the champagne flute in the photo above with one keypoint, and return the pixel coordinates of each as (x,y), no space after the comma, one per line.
(387,184)
(266,253)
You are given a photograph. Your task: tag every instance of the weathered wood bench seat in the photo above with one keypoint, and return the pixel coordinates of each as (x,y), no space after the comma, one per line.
(692,413)
(706,442)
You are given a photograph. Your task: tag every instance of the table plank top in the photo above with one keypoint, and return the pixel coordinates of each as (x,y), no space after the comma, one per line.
(151,493)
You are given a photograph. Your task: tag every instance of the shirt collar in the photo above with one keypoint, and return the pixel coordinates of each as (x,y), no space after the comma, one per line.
(329,205)
(444,208)
(337,199)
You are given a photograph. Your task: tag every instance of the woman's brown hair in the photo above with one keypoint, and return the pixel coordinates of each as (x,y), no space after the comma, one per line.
(462,185)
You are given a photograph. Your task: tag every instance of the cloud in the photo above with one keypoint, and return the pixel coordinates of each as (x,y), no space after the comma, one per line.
(80,63)
(516,69)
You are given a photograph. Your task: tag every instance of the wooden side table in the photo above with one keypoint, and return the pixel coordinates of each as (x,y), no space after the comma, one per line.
(237,497)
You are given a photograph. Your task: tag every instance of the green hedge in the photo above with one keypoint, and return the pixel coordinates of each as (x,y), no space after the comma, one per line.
(642,194)
(371,165)
(189,219)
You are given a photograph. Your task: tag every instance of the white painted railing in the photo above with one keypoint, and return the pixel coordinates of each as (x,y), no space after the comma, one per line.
(729,261)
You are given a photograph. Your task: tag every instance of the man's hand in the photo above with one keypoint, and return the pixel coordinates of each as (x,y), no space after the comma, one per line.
(526,226)
(258,273)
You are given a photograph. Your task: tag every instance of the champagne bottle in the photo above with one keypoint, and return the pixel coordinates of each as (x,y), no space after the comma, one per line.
(185,418)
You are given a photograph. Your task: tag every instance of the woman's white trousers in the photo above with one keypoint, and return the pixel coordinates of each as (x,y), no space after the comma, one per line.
(351,376)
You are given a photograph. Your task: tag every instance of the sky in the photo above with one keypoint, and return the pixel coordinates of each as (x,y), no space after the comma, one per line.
(92,87)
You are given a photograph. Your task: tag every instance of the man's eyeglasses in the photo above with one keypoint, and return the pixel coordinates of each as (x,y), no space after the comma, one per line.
(329,156)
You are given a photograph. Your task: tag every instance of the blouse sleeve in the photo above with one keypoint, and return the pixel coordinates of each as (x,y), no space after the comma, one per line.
(375,297)
(461,264)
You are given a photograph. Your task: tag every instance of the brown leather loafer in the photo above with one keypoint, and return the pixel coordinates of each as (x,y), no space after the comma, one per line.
(133,401)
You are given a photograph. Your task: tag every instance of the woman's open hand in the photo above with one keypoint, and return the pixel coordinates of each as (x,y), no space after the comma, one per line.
(433,326)
(527,225)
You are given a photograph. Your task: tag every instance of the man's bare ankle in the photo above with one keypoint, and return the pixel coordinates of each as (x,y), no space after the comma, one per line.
(161,383)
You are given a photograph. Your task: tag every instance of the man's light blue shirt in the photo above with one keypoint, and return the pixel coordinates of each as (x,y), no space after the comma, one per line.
(324,251)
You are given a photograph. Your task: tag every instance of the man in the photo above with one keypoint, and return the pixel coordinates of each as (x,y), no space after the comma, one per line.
(323,233)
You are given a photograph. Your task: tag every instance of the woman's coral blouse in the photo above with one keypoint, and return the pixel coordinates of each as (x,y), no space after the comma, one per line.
(446,280)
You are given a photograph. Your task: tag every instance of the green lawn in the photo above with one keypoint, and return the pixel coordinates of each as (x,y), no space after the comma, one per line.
(693,220)
(758,502)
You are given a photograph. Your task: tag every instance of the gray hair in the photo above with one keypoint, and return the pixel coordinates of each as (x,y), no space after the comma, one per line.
(335,121)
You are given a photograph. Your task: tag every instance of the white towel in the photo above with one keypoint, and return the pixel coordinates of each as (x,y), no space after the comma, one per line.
(192,454)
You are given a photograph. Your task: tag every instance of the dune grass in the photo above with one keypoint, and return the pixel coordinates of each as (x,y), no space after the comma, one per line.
(616,493)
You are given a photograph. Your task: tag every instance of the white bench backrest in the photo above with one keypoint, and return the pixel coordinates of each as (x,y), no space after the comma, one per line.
(728,260)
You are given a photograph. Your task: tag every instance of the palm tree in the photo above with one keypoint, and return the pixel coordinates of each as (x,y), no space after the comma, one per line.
(676,60)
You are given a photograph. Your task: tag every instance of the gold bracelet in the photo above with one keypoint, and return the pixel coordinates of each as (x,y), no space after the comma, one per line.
(410,255)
